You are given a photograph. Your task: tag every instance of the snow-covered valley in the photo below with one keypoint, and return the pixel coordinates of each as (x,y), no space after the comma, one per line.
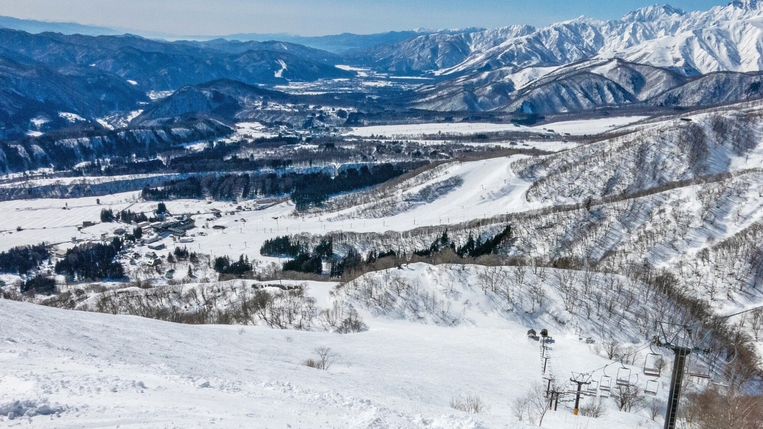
(419,338)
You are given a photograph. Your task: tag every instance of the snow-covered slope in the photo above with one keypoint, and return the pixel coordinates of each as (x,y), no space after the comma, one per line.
(607,211)
(724,38)
(102,370)
(587,85)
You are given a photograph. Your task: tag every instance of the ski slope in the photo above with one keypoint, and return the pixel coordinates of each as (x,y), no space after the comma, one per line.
(100,370)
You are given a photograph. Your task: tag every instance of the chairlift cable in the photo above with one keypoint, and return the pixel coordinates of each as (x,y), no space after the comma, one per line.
(639,350)
(741,312)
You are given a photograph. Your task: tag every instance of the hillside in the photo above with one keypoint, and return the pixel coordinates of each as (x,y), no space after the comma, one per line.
(432,361)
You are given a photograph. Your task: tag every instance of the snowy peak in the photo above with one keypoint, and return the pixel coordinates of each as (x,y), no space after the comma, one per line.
(736,10)
(754,5)
(653,13)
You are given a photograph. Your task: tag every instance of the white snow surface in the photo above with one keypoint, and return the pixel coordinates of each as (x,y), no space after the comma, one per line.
(253,130)
(39,121)
(490,188)
(724,38)
(71,117)
(578,127)
(279,73)
(102,370)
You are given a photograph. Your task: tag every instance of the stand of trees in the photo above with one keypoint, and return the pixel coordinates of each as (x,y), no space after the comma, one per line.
(305,262)
(472,248)
(92,261)
(127,216)
(352,261)
(20,260)
(314,189)
(107,215)
(305,189)
(478,248)
(223,265)
(281,246)
(39,284)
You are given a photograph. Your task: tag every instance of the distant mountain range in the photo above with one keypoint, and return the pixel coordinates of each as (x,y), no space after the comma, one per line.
(586,85)
(725,38)
(657,56)
(48,73)
(32,26)
(336,43)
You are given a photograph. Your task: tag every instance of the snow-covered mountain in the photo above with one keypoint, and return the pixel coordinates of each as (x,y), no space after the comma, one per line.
(724,38)
(587,85)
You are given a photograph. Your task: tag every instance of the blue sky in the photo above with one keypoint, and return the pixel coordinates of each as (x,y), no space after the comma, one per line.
(318,17)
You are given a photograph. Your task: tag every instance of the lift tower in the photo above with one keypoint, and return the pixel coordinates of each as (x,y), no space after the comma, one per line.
(682,340)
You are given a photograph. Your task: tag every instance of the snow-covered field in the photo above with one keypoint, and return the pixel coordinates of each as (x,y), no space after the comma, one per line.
(77,180)
(581,127)
(489,188)
(96,370)
(544,145)
(252,130)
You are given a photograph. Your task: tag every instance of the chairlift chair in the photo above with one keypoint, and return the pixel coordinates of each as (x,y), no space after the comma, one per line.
(699,369)
(652,387)
(623,376)
(592,389)
(652,364)
(605,383)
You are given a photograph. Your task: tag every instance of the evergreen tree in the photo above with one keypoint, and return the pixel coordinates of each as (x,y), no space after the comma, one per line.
(107,215)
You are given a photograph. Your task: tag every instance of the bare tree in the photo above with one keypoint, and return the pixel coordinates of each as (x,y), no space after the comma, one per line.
(627,397)
(534,403)
(469,404)
(655,408)
(756,323)
(611,348)
(537,294)
(520,271)
(325,359)
(519,407)
(595,408)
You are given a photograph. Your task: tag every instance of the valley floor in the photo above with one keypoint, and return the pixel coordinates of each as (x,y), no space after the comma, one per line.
(489,188)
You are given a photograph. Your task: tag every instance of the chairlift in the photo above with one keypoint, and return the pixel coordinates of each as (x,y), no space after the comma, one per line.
(592,389)
(699,369)
(605,383)
(652,387)
(652,365)
(623,376)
